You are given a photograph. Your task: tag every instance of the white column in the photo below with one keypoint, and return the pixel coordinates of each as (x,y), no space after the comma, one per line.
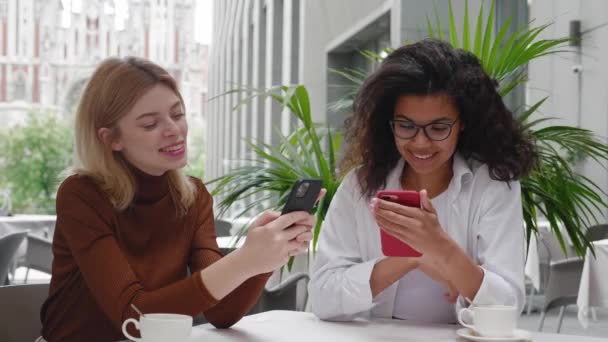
(212,136)
(103,33)
(29,83)
(28,32)
(235,82)
(221,53)
(286,66)
(219,81)
(268,70)
(245,111)
(227,112)
(224,77)
(255,73)
(395,21)
(11,31)
(82,35)
(170,34)
(302,39)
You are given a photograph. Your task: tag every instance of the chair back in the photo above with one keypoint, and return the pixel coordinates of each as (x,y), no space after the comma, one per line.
(291,294)
(560,272)
(598,232)
(20,311)
(8,248)
(222,227)
(549,244)
(39,253)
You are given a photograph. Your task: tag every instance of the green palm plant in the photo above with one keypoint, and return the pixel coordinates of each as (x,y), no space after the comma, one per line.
(309,151)
(554,189)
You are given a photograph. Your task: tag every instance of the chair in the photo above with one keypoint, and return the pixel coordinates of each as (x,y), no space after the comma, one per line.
(222,227)
(9,244)
(291,294)
(562,276)
(20,311)
(39,255)
(596,233)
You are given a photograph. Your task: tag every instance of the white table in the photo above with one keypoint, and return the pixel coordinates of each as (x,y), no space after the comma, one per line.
(227,243)
(41,225)
(291,326)
(593,290)
(532,267)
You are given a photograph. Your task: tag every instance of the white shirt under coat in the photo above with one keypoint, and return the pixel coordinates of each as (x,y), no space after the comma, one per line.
(482,215)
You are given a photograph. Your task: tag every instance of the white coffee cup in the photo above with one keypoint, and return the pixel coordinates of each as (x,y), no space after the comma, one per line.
(491,320)
(160,327)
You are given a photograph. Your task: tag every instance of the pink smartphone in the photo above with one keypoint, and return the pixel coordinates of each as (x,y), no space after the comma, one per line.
(391,246)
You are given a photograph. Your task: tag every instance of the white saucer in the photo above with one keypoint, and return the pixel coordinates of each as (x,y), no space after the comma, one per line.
(518,335)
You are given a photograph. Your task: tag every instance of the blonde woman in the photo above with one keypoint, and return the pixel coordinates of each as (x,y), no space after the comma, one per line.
(130,223)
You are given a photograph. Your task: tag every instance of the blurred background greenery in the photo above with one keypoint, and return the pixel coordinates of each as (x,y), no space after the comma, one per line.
(35,153)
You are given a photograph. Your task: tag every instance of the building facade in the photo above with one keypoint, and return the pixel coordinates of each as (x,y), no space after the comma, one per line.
(255,45)
(48,49)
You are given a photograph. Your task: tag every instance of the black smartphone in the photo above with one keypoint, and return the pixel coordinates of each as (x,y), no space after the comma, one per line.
(303,195)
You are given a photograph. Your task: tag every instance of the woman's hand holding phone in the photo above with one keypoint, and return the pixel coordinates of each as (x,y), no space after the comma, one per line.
(273,238)
(419,228)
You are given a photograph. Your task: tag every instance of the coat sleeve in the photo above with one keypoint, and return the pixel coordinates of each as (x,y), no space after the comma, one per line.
(205,252)
(500,245)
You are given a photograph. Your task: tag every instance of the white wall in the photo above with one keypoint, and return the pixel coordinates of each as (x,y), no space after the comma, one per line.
(322,22)
(576,99)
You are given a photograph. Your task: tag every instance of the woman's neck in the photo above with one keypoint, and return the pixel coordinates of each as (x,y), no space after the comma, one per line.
(435,183)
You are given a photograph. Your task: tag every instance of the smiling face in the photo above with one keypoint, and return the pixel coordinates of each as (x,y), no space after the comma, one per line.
(423,155)
(152,136)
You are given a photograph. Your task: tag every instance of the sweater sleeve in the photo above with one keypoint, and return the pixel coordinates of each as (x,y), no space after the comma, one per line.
(86,220)
(205,252)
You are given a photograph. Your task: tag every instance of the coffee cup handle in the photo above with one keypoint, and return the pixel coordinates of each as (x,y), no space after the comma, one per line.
(461,321)
(124,328)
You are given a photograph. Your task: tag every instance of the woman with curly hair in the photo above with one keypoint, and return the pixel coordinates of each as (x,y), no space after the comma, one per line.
(431,120)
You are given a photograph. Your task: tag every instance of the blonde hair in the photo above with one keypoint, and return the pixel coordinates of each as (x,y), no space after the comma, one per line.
(115,86)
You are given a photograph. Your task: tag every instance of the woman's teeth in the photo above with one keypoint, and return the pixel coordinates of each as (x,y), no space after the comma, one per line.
(172,148)
(423,156)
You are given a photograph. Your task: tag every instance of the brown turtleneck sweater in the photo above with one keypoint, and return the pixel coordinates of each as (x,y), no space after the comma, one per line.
(104,260)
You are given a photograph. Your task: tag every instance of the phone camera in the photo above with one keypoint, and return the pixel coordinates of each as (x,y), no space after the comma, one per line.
(302,189)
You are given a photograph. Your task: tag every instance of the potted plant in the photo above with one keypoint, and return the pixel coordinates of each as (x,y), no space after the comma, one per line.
(309,151)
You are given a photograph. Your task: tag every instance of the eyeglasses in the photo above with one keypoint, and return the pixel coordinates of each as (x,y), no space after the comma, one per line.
(435,131)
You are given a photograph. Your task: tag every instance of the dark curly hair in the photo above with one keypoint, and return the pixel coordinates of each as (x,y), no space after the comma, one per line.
(433,67)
